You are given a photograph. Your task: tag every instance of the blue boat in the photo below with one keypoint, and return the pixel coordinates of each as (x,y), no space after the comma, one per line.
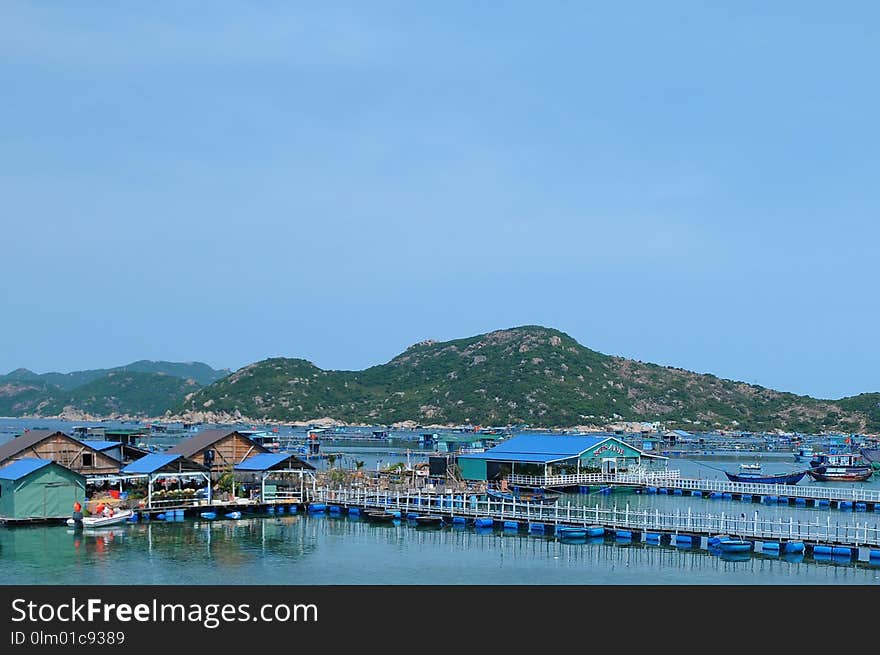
(761,478)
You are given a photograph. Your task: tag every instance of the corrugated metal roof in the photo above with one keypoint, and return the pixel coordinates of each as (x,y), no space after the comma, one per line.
(31,438)
(205,438)
(150,463)
(540,448)
(267,461)
(18,469)
(100,445)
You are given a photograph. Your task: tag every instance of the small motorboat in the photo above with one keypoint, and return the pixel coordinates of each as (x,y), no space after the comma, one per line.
(428,520)
(751,467)
(379,516)
(116,518)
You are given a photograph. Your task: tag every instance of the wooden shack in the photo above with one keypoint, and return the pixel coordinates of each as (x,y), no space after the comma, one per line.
(59,447)
(219,450)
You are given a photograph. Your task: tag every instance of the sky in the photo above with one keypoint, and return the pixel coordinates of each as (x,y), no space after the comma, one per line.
(680,183)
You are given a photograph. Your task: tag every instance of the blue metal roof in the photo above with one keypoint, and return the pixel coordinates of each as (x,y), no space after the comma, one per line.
(100,445)
(262,462)
(540,448)
(150,463)
(22,467)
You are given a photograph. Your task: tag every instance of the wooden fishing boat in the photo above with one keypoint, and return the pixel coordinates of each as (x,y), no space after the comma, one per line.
(761,478)
(428,520)
(840,467)
(103,521)
(841,473)
(379,516)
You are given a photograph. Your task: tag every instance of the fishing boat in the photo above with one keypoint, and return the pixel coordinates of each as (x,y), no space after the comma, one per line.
(536,496)
(803,454)
(840,467)
(102,521)
(750,467)
(761,478)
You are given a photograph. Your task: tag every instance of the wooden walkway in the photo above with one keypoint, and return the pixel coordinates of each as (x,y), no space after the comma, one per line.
(821,532)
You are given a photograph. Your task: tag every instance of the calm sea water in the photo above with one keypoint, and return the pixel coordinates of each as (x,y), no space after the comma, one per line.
(341,550)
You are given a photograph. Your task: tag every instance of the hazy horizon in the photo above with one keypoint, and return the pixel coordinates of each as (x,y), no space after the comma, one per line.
(684,184)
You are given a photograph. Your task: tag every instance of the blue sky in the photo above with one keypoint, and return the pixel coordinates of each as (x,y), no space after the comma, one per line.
(681,183)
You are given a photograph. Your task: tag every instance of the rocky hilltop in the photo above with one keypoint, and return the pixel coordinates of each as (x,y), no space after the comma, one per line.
(526,375)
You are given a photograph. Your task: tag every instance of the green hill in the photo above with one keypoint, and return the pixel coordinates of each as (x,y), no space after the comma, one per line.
(532,375)
(122,392)
(201,373)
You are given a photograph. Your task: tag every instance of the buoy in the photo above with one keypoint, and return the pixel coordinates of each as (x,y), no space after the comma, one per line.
(233,515)
(77,507)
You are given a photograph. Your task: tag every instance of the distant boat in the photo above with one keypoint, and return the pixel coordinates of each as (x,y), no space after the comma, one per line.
(841,473)
(759,478)
(804,454)
(750,467)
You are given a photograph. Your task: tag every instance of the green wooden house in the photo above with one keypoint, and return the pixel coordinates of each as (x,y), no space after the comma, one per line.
(33,488)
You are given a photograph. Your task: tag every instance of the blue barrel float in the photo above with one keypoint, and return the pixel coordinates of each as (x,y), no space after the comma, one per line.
(233,515)
(292,509)
(822,502)
(536,527)
(677,492)
(161,516)
(715,495)
(208,515)
(769,499)
(696,493)
(456,520)
(770,547)
(651,490)
(727,496)
(335,509)
(652,537)
(511,525)
(874,556)
(822,552)
(354,511)
(314,508)
(783,499)
(844,505)
(794,547)
(735,545)
(861,507)
(841,551)
(663,490)
(480,523)
(623,535)
(411,516)
(800,501)
(271,509)
(595,531)
(280,509)
(683,540)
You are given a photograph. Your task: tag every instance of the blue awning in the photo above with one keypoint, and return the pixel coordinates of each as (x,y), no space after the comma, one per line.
(150,463)
(22,467)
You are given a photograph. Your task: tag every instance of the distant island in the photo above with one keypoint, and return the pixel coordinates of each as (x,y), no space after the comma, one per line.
(530,375)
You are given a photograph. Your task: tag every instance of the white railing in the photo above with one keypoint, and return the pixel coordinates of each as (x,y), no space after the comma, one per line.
(475,506)
(673,480)
(574,479)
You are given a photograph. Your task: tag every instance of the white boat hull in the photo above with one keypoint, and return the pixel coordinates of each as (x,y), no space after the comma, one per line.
(102,521)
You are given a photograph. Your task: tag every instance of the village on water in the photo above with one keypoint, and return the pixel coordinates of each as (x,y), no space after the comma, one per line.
(497,479)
